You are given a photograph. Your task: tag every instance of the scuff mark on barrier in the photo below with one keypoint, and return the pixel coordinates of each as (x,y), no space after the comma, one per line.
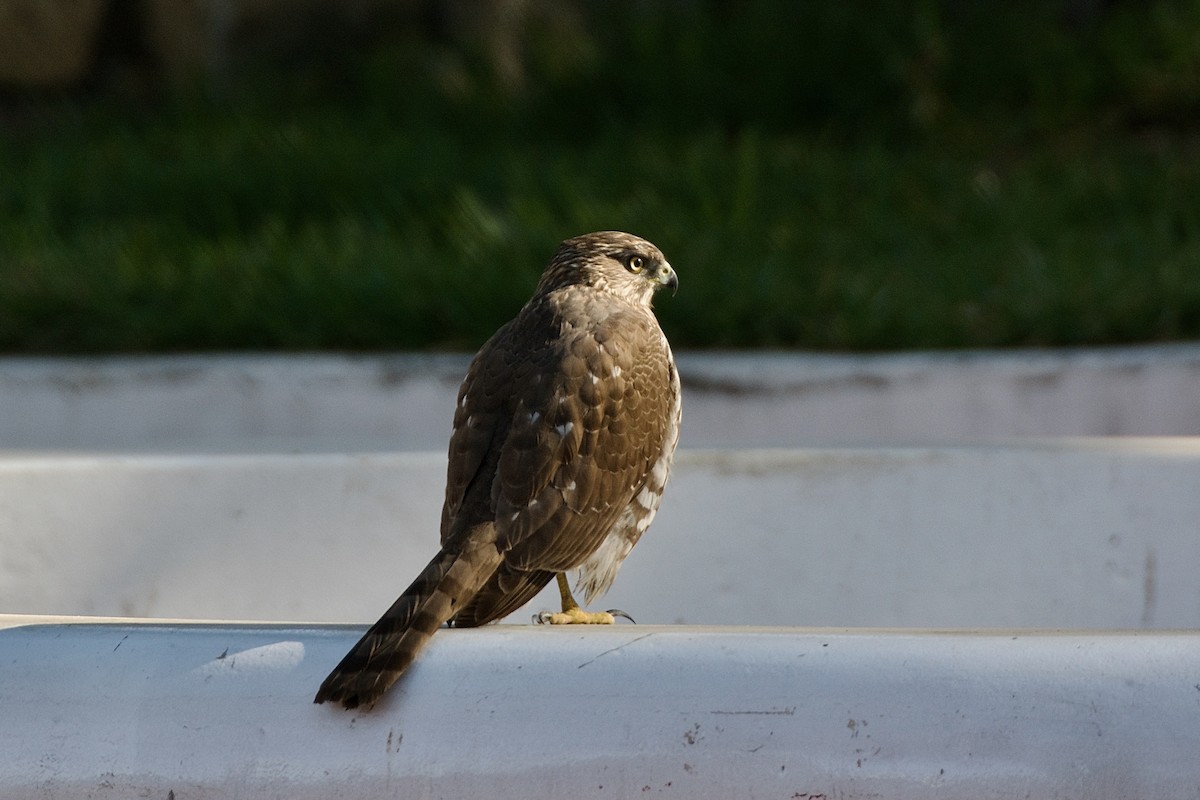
(615,649)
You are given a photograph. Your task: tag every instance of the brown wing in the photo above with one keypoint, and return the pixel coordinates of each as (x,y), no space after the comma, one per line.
(481,422)
(581,438)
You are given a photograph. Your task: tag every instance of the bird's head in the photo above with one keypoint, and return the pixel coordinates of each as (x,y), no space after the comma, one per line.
(612,261)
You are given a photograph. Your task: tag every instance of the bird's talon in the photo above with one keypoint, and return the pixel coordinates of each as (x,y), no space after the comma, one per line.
(616,612)
(575,616)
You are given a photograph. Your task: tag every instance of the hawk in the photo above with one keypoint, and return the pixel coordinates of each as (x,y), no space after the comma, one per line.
(563,440)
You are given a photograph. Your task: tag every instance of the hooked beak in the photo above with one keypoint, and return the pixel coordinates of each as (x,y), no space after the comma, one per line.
(666,277)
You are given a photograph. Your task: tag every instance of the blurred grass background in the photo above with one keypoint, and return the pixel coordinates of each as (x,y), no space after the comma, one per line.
(840,176)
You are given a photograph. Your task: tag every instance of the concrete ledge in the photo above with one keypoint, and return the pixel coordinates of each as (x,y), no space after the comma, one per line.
(149,709)
(1095,533)
(337,403)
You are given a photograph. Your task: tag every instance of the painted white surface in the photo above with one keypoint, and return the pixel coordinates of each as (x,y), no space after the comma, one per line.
(221,487)
(1100,533)
(204,711)
(335,403)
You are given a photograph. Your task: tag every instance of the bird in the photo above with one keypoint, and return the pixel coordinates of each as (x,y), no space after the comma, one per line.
(563,440)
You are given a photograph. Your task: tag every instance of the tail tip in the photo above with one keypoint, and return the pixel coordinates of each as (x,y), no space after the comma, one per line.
(349,699)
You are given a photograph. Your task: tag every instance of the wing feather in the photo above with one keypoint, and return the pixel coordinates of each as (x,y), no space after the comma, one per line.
(593,450)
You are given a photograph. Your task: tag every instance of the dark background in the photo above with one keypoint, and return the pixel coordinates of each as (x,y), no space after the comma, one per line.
(369,175)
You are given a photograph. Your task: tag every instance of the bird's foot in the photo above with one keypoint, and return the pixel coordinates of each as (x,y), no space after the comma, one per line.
(572,614)
(577,616)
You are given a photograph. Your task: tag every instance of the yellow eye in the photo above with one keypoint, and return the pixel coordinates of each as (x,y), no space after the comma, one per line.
(635,264)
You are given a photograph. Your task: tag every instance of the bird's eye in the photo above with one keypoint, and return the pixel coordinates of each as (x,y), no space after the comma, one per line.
(635,264)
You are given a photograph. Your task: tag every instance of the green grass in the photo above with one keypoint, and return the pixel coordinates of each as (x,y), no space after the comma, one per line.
(313,215)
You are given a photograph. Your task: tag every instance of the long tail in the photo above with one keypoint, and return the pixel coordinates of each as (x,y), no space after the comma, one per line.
(392,643)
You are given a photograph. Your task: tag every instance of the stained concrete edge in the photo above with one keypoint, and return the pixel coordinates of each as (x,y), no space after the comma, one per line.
(404,401)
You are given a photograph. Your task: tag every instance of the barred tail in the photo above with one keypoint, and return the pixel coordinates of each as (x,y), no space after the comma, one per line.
(392,643)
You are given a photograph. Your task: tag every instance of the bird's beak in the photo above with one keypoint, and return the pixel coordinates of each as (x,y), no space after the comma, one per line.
(666,277)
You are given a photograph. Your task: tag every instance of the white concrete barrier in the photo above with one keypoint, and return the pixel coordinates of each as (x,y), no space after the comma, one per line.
(166,710)
(1067,533)
(335,403)
(220,487)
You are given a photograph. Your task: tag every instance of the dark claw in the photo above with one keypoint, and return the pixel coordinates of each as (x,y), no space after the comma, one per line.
(616,612)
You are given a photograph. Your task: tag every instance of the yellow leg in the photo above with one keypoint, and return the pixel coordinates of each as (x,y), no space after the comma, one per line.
(572,614)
